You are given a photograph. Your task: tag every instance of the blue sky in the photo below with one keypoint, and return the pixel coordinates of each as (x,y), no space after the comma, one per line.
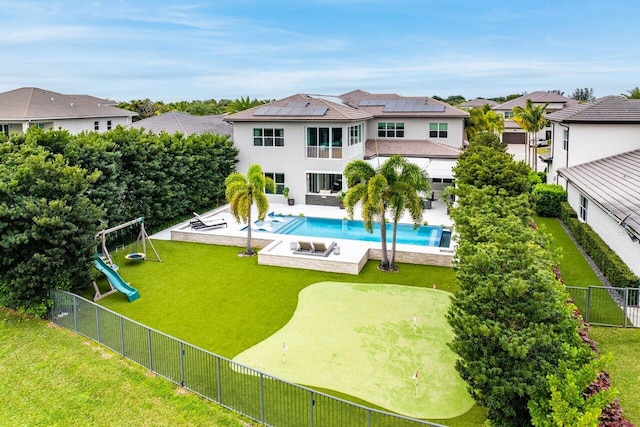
(183,50)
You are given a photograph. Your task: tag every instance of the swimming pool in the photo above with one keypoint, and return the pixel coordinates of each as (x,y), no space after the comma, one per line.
(425,235)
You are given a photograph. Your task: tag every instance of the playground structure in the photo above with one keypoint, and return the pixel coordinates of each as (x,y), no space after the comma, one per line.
(104,262)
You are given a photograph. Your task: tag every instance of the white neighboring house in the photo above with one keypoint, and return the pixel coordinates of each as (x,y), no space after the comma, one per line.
(30,106)
(305,141)
(595,155)
(184,123)
(513,133)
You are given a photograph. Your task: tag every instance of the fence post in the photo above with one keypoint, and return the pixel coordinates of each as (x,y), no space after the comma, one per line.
(262,397)
(588,304)
(219,377)
(121,336)
(311,403)
(75,314)
(181,364)
(150,350)
(98,324)
(626,307)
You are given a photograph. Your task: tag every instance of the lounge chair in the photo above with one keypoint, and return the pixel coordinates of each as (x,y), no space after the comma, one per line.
(201,224)
(305,247)
(315,248)
(263,227)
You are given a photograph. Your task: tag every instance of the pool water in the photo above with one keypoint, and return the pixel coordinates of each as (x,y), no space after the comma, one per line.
(425,235)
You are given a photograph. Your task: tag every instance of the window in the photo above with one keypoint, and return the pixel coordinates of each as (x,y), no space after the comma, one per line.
(4,129)
(37,125)
(324,183)
(278,178)
(324,143)
(268,137)
(584,207)
(96,125)
(390,130)
(508,114)
(355,134)
(108,124)
(565,139)
(438,130)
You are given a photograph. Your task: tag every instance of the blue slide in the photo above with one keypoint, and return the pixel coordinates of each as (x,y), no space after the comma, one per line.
(115,280)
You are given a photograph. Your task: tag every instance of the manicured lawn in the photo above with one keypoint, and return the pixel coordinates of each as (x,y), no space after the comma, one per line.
(53,377)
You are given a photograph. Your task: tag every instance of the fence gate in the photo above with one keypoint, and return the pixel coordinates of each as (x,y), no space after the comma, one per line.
(608,306)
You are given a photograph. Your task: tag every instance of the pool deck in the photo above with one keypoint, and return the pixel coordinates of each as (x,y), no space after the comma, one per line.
(276,249)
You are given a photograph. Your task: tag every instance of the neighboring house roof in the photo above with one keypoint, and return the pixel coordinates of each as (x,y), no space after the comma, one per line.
(538,97)
(30,103)
(511,124)
(608,109)
(394,105)
(612,182)
(478,103)
(409,148)
(176,121)
(301,107)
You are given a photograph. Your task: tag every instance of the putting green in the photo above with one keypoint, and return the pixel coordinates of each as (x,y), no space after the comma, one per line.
(360,339)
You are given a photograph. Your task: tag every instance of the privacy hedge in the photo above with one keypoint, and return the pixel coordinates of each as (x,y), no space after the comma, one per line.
(612,267)
(547,199)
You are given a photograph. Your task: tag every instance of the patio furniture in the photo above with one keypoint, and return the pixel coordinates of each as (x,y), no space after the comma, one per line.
(201,224)
(315,248)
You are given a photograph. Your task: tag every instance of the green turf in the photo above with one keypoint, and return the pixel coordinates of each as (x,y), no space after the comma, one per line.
(359,339)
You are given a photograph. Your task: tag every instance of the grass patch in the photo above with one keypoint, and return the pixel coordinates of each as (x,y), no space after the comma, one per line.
(625,368)
(53,377)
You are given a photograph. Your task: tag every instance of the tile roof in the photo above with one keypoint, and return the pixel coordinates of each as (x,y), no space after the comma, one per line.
(612,182)
(30,103)
(608,109)
(538,97)
(409,148)
(335,111)
(176,121)
(355,97)
(478,102)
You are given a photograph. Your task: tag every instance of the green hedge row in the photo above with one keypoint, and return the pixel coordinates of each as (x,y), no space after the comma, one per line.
(612,267)
(547,199)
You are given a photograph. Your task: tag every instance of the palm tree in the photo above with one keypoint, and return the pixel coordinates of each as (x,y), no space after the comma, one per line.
(243,191)
(633,93)
(531,119)
(369,187)
(407,181)
(241,104)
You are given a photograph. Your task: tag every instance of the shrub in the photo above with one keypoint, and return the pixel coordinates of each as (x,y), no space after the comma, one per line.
(547,199)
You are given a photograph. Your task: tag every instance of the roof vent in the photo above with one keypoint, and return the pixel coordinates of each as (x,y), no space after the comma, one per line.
(72,104)
(52,99)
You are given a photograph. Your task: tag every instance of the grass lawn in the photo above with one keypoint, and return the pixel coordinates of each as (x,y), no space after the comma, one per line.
(53,377)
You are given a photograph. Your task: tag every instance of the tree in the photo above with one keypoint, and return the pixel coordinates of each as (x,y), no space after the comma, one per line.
(243,191)
(557,92)
(483,119)
(632,93)
(583,95)
(369,187)
(241,104)
(407,181)
(531,119)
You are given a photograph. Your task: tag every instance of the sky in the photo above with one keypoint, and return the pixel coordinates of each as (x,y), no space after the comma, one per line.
(170,50)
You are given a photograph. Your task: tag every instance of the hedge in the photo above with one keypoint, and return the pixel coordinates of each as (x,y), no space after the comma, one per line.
(609,263)
(547,199)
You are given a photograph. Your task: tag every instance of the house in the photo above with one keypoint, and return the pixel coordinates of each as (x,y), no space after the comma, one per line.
(513,133)
(595,155)
(305,141)
(477,103)
(30,106)
(187,124)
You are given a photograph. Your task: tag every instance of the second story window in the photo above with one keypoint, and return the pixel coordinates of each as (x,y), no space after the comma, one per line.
(438,130)
(565,139)
(390,130)
(508,114)
(324,143)
(584,208)
(355,134)
(268,137)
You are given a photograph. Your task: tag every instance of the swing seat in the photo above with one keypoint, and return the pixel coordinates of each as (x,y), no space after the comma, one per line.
(135,256)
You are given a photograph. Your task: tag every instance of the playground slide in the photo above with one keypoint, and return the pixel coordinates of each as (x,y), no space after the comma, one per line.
(116,281)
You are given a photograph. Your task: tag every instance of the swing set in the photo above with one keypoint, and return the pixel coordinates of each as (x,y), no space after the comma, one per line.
(141,241)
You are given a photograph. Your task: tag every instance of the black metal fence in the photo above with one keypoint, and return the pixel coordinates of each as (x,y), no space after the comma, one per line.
(254,394)
(608,306)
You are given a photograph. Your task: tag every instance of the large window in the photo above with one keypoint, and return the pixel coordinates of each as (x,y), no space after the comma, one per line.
(584,208)
(438,130)
(278,178)
(508,114)
(565,139)
(390,130)
(268,137)
(324,143)
(109,125)
(4,129)
(324,183)
(355,134)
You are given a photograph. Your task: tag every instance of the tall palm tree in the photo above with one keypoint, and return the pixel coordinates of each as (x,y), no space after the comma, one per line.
(531,119)
(241,104)
(370,188)
(243,191)
(633,93)
(407,182)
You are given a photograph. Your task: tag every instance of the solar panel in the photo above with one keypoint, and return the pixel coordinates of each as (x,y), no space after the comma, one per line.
(290,111)
(411,105)
(373,102)
(297,104)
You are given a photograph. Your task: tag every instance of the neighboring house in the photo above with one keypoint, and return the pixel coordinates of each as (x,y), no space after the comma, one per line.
(477,103)
(305,141)
(176,121)
(513,133)
(595,155)
(30,106)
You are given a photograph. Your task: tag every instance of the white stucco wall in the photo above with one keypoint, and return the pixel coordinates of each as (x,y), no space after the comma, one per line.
(74,126)
(608,229)
(418,128)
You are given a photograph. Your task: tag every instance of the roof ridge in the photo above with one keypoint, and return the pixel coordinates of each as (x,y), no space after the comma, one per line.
(28,103)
